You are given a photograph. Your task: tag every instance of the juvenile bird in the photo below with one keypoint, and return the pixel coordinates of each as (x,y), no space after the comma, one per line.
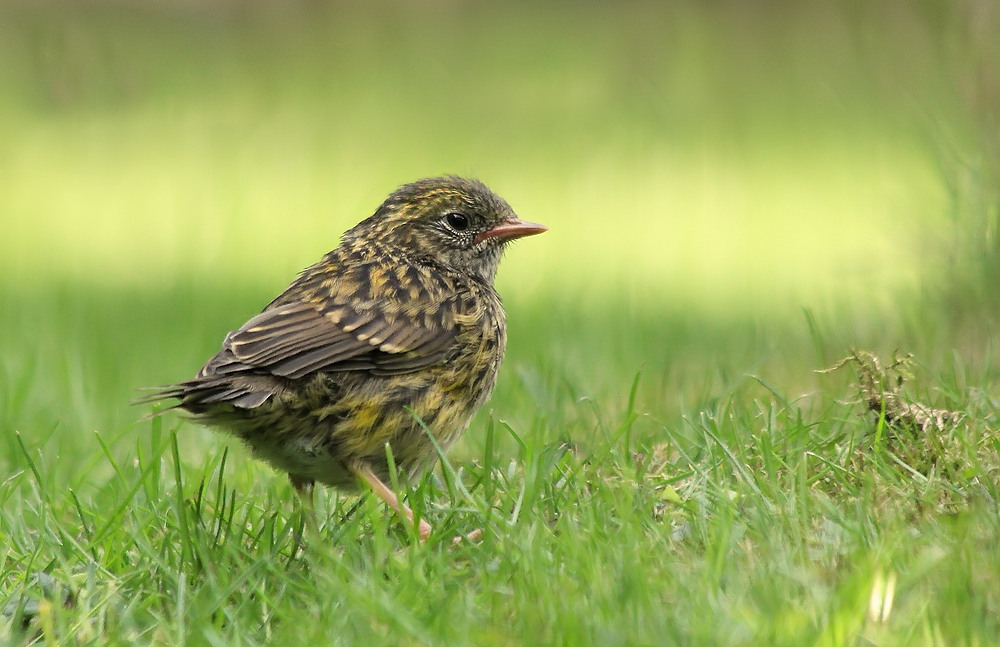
(398,328)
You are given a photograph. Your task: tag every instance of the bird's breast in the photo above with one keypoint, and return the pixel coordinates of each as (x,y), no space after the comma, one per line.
(481,341)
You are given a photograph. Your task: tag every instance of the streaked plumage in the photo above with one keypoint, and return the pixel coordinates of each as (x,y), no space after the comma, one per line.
(399,322)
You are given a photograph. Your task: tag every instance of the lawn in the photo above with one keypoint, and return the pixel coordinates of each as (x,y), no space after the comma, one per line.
(737,197)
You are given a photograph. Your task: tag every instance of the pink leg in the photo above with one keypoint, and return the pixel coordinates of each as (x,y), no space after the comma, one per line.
(383,492)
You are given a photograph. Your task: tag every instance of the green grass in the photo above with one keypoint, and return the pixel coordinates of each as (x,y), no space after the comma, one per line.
(696,498)
(736,198)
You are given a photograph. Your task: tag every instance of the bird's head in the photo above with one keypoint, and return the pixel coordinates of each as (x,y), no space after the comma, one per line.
(451,222)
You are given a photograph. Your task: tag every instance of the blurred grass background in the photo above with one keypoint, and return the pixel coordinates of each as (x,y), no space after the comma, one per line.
(724,157)
(708,171)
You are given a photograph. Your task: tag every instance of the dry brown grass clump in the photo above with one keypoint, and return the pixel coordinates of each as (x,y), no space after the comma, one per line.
(881,390)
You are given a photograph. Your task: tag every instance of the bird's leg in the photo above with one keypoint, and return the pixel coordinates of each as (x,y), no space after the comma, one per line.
(473,537)
(385,493)
(304,488)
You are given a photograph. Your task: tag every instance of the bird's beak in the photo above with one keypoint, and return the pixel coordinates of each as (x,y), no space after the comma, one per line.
(510,229)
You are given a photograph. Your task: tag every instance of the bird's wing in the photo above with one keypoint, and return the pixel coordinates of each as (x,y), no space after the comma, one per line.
(296,339)
(399,332)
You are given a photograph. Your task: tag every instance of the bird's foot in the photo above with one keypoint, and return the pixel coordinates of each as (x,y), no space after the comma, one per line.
(472,537)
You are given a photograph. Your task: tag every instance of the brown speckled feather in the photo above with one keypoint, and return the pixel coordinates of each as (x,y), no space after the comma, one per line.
(329,320)
(297,338)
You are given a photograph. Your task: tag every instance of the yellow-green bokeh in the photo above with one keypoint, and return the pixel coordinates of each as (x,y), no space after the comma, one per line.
(733,156)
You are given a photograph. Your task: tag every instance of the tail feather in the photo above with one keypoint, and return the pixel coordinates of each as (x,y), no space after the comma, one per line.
(196,395)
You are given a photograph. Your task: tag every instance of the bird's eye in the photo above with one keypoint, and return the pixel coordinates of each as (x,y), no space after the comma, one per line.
(457,221)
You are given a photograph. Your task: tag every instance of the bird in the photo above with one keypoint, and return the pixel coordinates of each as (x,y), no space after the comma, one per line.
(384,348)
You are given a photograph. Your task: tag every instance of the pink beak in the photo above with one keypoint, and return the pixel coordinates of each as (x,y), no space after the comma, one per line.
(511,229)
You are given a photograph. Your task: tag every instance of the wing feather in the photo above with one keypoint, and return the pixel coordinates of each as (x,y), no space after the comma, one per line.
(330,320)
(296,339)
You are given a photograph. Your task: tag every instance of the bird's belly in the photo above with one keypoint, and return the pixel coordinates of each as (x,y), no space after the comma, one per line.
(303,460)
(316,432)
(291,440)
(400,417)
